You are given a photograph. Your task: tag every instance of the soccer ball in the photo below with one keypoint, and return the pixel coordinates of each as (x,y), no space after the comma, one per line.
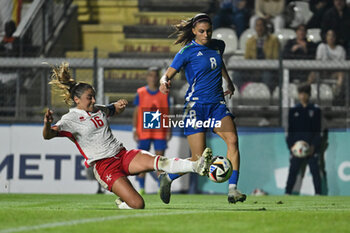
(300,149)
(220,169)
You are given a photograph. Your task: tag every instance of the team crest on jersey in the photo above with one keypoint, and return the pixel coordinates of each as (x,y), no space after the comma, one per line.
(199,54)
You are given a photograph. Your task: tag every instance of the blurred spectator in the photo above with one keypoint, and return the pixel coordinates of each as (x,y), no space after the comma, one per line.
(338,19)
(9,45)
(318,8)
(300,48)
(330,51)
(304,124)
(271,11)
(233,14)
(263,45)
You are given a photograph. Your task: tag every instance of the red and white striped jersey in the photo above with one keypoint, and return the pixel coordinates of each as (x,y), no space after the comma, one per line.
(91,133)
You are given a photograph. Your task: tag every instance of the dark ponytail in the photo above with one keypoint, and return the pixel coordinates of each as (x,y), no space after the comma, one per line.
(183,30)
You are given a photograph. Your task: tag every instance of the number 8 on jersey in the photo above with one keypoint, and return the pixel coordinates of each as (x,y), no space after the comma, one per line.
(213,63)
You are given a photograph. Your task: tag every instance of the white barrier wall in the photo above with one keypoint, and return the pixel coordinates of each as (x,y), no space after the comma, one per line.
(30,164)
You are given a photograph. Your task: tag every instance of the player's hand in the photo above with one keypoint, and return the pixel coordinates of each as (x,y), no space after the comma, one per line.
(120,105)
(48,118)
(48,131)
(295,47)
(165,85)
(230,90)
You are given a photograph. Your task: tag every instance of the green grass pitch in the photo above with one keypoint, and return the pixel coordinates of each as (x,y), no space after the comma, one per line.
(185,213)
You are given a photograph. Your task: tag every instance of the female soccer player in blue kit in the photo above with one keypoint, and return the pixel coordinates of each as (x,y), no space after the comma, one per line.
(202,61)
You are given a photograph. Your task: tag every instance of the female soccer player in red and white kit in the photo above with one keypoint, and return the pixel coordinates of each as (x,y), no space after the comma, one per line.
(87,126)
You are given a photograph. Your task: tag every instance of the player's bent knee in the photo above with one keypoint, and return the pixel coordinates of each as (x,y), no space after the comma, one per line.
(137,204)
(232,140)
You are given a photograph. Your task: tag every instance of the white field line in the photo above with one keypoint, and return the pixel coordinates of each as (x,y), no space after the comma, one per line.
(90,220)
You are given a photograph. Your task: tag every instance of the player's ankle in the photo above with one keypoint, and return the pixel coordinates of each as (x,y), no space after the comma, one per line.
(232,186)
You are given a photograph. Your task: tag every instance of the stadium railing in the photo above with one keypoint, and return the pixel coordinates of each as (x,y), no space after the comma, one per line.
(25,93)
(38,26)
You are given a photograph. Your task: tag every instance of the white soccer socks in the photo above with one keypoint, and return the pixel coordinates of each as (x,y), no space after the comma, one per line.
(173,165)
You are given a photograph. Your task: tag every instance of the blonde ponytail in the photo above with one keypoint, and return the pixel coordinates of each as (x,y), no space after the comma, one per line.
(62,79)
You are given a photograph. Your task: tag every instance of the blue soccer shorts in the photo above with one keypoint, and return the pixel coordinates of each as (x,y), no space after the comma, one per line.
(201,117)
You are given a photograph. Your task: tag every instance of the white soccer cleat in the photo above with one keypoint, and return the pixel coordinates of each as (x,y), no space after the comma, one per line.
(121,204)
(234,195)
(118,201)
(165,188)
(202,165)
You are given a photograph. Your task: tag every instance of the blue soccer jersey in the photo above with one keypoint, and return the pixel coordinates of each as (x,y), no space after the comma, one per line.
(202,65)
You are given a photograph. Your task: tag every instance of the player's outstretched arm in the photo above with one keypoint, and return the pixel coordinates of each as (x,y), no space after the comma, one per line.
(113,108)
(165,80)
(48,131)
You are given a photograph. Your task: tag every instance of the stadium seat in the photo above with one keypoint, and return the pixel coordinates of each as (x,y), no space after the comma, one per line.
(302,13)
(292,94)
(326,94)
(234,58)
(244,37)
(255,94)
(314,35)
(229,36)
(284,35)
